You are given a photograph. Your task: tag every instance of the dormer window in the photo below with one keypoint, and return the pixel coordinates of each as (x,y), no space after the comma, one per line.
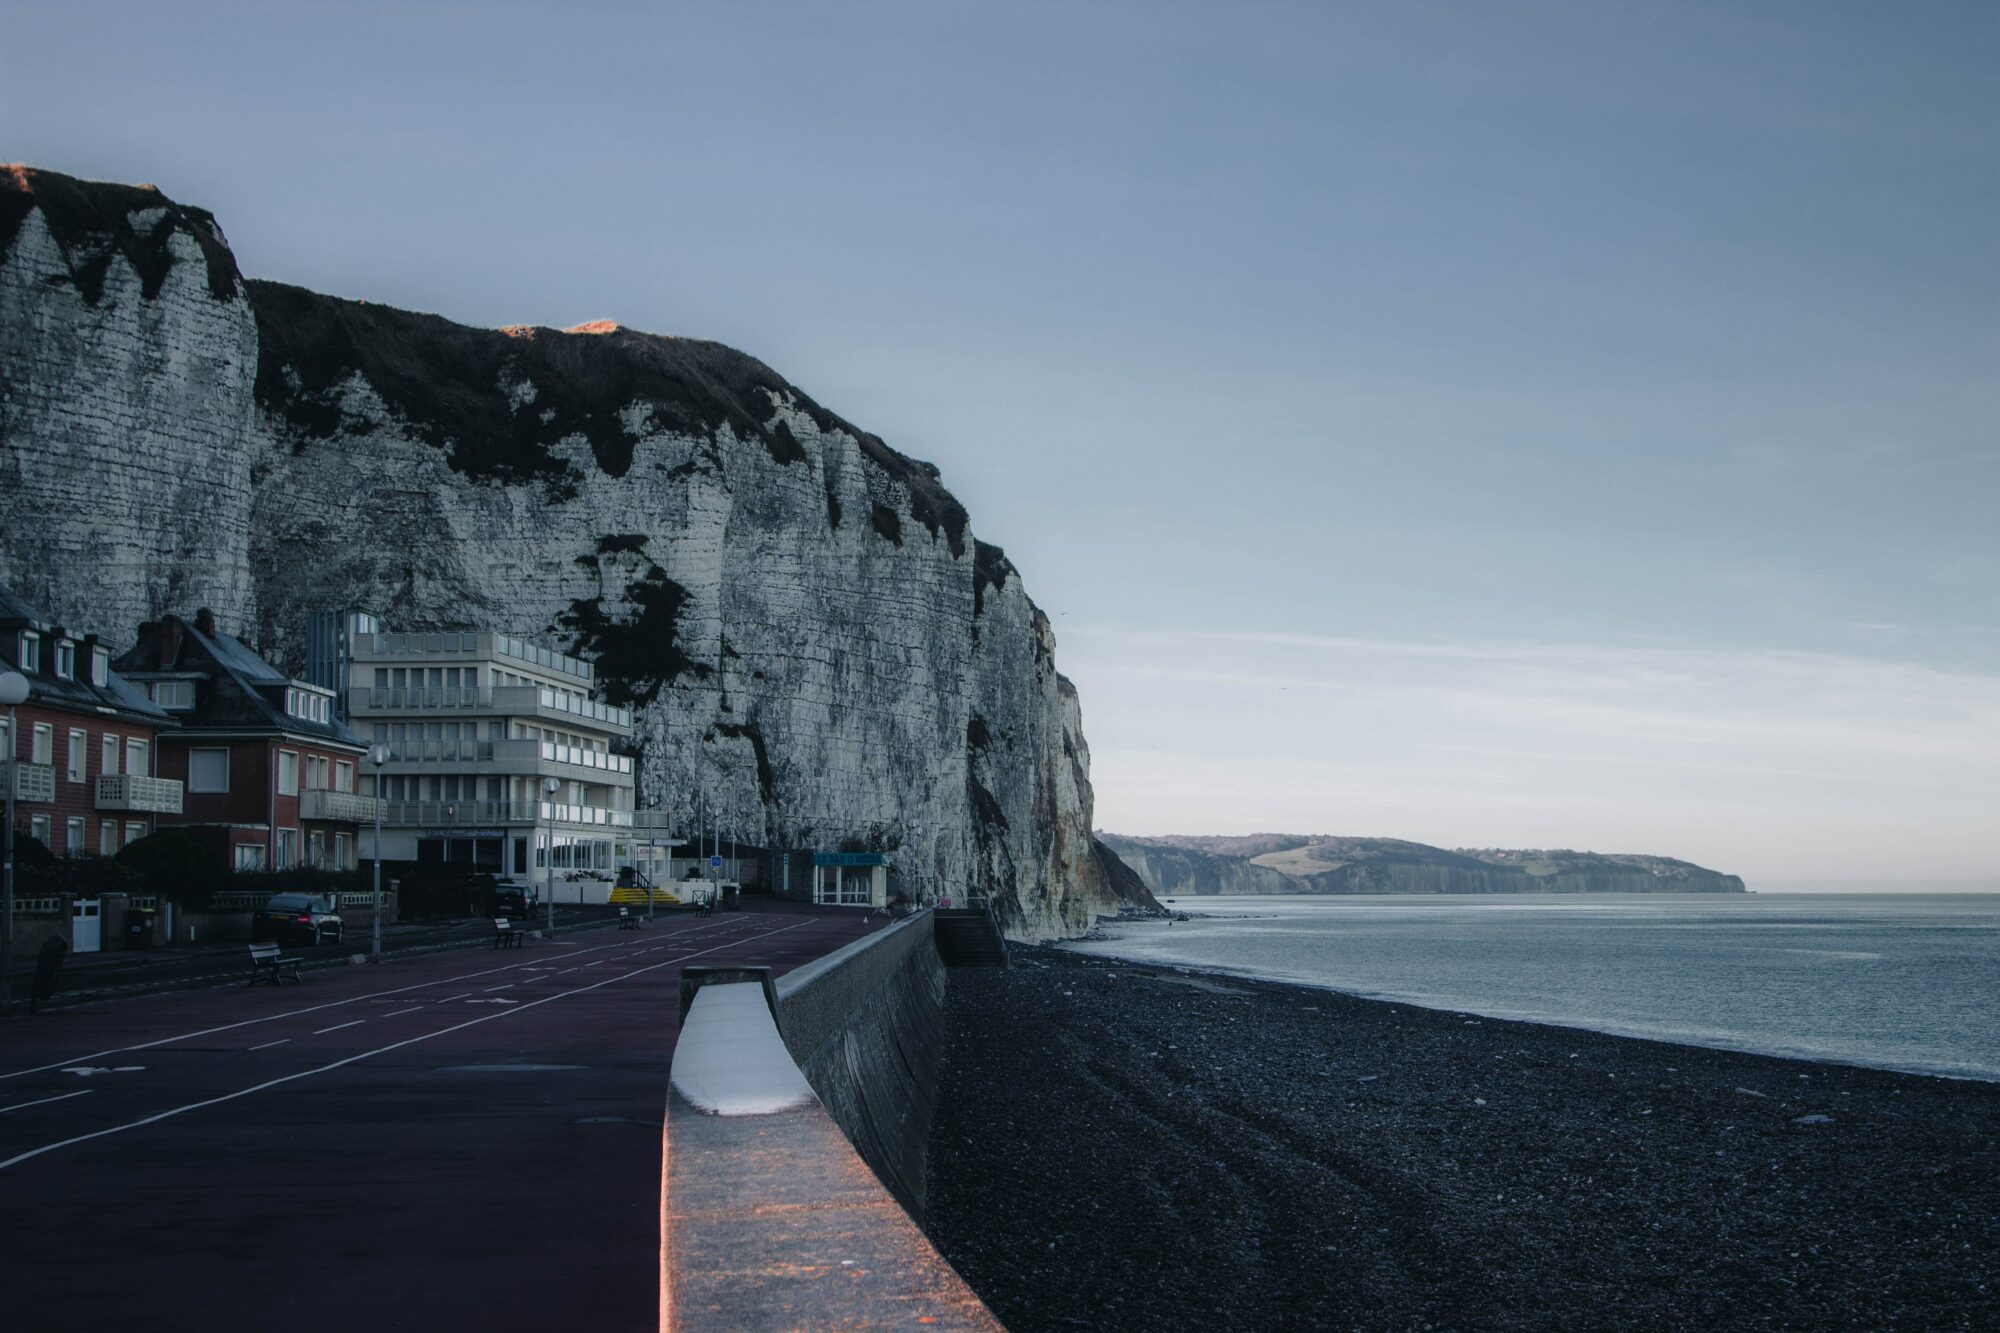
(100,667)
(29,653)
(174,694)
(65,660)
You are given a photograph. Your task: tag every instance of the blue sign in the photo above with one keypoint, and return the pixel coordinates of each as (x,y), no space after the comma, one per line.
(715,861)
(850,858)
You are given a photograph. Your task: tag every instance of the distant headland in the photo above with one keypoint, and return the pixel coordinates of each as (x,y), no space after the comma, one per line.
(1318,863)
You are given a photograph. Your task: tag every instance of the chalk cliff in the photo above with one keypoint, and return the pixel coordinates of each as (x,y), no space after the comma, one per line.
(801,617)
(1287,863)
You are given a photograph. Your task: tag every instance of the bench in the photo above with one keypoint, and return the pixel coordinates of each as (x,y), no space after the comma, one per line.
(626,921)
(506,935)
(265,958)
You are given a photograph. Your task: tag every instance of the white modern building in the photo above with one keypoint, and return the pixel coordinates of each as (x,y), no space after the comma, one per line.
(476,724)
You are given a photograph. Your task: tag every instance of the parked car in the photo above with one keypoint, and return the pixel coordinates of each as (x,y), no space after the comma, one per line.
(296,918)
(513,900)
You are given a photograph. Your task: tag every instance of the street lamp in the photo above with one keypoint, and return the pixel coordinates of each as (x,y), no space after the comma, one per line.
(550,785)
(13,690)
(378,755)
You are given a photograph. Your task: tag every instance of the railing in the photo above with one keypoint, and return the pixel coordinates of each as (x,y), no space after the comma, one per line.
(506,645)
(458,644)
(498,698)
(487,814)
(130,791)
(524,752)
(34,782)
(343,807)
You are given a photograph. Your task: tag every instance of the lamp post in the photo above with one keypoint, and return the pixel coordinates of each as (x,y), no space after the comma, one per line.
(550,785)
(13,690)
(378,755)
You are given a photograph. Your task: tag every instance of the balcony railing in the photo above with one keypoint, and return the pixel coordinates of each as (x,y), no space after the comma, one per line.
(33,782)
(339,807)
(499,698)
(491,814)
(521,752)
(130,791)
(471,646)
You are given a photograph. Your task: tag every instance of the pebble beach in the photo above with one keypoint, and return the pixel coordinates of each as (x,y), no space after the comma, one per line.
(1127,1147)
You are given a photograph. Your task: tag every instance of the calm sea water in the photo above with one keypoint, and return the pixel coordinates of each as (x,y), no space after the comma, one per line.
(1902,981)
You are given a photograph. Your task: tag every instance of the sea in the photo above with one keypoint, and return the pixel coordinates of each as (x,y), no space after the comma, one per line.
(1907,981)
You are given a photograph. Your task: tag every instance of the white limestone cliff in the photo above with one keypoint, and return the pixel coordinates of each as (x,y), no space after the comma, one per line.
(801,618)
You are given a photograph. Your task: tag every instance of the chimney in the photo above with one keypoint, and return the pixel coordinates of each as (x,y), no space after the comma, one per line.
(204,620)
(170,642)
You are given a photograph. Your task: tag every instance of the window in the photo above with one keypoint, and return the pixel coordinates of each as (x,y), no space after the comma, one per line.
(316,849)
(38,829)
(208,770)
(316,770)
(138,759)
(134,831)
(343,775)
(30,654)
(77,840)
(65,659)
(288,775)
(174,694)
(79,755)
(107,838)
(288,848)
(100,667)
(343,852)
(45,744)
(249,857)
(107,755)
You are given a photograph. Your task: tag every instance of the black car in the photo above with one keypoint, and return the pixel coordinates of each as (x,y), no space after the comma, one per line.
(296,918)
(512,900)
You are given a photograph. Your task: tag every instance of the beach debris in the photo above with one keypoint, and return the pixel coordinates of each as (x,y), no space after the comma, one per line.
(1812,1120)
(1752,1092)
(1367,1078)
(1479,1101)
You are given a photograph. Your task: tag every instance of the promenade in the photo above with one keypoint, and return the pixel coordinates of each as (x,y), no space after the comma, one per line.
(460,1139)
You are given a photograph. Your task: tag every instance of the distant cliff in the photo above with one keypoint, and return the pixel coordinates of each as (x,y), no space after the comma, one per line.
(801,617)
(1273,863)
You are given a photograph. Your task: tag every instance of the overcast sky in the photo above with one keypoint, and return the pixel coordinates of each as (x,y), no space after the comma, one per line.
(1563,424)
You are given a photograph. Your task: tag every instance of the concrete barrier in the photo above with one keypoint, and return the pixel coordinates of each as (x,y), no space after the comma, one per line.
(794,1148)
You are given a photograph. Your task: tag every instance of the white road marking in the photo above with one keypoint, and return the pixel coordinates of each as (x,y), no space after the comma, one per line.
(18,1158)
(400,1012)
(269,1044)
(338,1026)
(491,989)
(19,1106)
(290,1013)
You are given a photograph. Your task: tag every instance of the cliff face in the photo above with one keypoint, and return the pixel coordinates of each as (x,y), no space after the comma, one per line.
(801,617)
(1283,863)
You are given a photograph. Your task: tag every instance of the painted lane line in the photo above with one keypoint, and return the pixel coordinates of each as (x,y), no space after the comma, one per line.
(400,1012)
(22,1106)
(289,1013)
(460,996)
(18,1158)
(269,1044)
(338,1026)
(508,986)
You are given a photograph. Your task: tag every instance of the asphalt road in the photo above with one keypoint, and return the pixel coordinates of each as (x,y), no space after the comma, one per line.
(466,1139)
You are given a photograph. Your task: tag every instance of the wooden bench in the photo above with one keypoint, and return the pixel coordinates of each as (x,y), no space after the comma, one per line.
(626,921)
(265,958)
(506,935)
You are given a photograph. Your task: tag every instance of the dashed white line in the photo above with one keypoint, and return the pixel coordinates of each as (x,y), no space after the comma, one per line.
(31,1153)
(491,989)
(20,1106)
(269,1044)
(400,1012)
(338,1026)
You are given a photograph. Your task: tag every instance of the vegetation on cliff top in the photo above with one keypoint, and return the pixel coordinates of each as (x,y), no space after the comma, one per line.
(95,221)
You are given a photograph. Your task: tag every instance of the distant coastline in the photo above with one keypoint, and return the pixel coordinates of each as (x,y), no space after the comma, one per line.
(1281,863)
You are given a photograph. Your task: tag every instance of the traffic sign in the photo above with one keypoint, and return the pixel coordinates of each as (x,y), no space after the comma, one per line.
(715,862)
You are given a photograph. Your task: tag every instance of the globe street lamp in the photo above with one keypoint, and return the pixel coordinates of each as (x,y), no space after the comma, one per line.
(378,755)
(550,785)
(13,690)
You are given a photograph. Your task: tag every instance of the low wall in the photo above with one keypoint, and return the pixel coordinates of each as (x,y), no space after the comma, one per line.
(866,1025)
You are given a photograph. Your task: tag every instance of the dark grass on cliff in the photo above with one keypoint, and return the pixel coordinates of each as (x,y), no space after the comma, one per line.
(92,223)
(1121,1148)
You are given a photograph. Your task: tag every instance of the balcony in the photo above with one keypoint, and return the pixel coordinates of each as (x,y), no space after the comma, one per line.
(129,791)
(514,756)
(338,807)
(461,646)
(34,782)
(496,814)
(509,700)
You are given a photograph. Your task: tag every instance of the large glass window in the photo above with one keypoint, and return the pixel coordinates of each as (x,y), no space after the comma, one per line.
(249,856)
(208,770)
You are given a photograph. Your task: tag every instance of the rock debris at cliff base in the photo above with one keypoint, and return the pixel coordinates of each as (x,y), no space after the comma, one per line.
(1120,1148)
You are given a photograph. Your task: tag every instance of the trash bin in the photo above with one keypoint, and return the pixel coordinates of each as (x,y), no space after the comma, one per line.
(139,927)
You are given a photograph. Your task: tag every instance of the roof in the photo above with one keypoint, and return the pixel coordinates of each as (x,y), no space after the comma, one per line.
(235,689)
(116,695)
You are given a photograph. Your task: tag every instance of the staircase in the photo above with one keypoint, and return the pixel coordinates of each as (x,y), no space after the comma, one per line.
(631,895)
(970,937)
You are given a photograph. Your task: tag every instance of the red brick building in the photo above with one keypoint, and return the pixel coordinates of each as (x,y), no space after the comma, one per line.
(88,751)
(268,771)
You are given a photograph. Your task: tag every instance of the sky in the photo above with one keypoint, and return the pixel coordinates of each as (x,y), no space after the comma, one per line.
(1527,424)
